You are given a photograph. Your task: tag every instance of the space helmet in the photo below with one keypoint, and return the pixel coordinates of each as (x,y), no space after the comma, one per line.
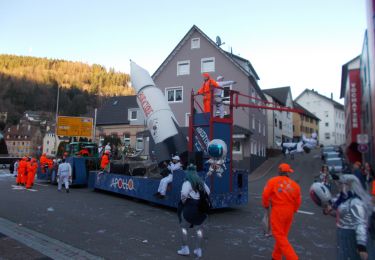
(320,194)
(217,149)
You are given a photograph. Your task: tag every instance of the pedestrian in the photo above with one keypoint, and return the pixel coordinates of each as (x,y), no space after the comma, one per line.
(370,175)
(282,196)
(163,185)
(104,162)
(205,90)
(325,177)
(64,175)
(352,208)
(189,213)
(357,171)
(32,167)
(43,162)
(21,170)
(218,95)
(16,163)
(107,148)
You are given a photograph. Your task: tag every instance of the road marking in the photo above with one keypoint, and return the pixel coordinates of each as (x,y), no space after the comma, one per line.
(15,187)
(305,212)
(46,245)
(44,185)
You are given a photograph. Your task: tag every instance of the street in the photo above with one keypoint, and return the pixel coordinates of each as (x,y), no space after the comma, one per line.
(91,224)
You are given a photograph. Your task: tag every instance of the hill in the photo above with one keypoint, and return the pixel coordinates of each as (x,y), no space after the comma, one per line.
(30,83)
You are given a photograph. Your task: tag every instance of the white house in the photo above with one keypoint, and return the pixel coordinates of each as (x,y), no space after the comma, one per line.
(331,113)
(279,123)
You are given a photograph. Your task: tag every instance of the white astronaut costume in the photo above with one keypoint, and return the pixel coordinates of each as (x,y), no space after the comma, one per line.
(173,166)
(218,93)
(64,175)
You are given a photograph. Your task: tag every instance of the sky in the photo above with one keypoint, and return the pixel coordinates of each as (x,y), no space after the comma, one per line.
(301,44)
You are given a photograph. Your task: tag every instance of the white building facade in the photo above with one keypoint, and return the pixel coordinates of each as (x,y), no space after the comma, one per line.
(331,113)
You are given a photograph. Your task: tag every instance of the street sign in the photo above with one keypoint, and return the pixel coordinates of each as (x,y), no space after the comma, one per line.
(74,126)
(362,138)
(363,148)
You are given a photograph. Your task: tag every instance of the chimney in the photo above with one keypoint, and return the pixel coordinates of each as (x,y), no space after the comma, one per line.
(331,96)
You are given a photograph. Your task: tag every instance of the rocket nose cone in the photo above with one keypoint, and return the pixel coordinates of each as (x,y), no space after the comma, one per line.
(139,77)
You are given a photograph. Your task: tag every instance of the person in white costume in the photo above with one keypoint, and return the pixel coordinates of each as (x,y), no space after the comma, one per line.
(64,175)
(218,95)
(173,166)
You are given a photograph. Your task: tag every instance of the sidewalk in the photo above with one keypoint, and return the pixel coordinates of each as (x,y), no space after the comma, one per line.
(12,249)
(265,168)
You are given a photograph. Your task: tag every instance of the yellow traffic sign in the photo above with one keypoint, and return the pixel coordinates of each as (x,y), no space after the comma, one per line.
(74,126)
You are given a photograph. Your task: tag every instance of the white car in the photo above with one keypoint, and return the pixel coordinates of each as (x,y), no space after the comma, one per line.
(335,165)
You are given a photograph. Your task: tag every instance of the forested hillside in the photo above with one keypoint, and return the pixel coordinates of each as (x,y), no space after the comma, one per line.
(29,83)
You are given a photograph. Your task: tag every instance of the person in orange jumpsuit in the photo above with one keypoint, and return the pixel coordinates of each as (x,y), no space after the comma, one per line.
(206,88)
(105,160)
(284,196)
(21,170)
(43,162)
(32,167)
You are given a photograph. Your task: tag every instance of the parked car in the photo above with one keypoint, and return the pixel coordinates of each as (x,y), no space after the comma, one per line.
(335,165)
(327,149)
(331,155)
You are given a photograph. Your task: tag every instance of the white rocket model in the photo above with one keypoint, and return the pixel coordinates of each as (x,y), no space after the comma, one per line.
(160,119)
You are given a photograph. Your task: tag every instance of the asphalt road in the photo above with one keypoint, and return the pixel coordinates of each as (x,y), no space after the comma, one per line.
(115,227)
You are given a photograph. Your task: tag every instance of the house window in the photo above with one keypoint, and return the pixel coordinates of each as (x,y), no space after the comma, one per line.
(183,67)
(127,139)
(327,124)
(174,94)
(327,136)
(195,43)
(237,147)
(132,114)
(208,64)
(280,125)
(139,145)
(47,142)
(187,117)
(275,122)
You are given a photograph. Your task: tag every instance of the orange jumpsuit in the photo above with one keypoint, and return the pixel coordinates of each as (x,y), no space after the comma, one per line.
(21,171)
(206,91)
(104,162)
(284,195)
(32,167)
(43,161)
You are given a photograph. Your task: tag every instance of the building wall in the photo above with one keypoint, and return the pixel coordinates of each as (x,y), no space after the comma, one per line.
(168,78)
(120,131)
(304,125)
(370,84)
(329,115)
(366,99)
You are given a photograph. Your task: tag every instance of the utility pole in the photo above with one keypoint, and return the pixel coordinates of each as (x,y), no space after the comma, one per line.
(56,117)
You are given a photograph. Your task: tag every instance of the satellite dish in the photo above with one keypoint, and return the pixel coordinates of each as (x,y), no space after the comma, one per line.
(218,41)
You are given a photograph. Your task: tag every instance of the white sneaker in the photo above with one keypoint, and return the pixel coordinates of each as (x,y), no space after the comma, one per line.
(198,252)
(184,251)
